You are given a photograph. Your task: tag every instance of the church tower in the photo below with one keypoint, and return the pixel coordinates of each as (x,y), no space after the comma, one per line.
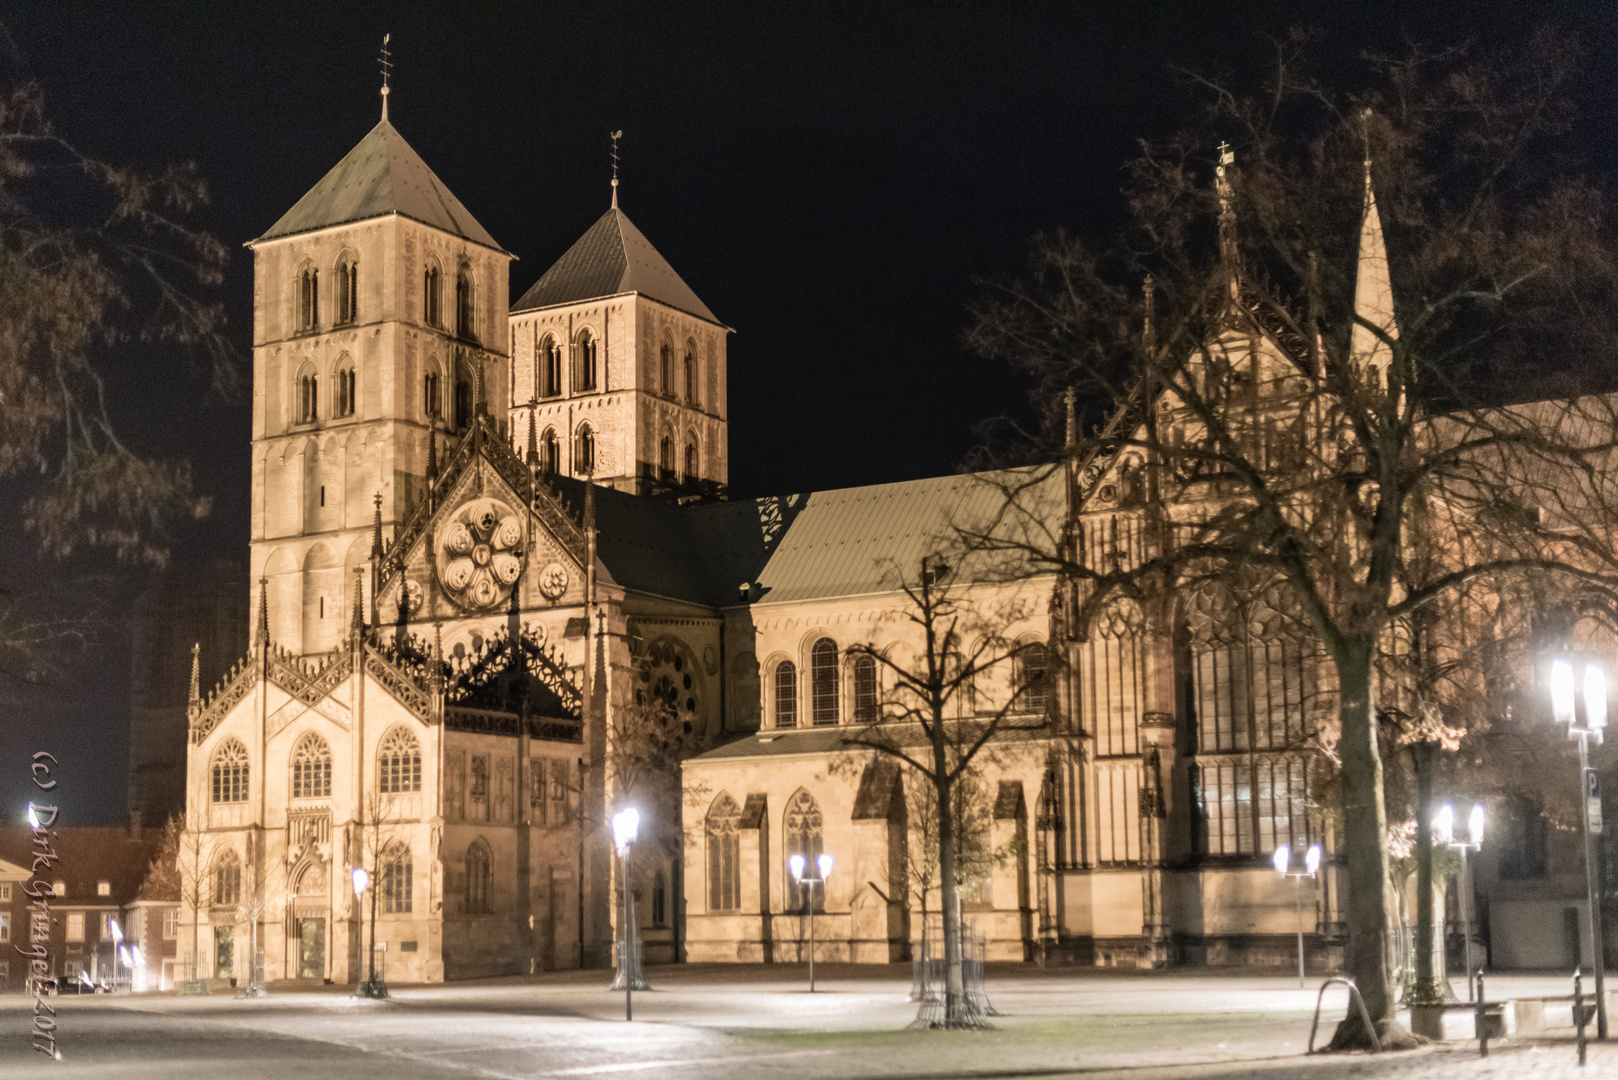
(619,369)
(378,329)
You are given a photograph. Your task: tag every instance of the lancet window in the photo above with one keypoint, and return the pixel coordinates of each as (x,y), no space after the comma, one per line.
(398,763)
(724,855)
(803,828)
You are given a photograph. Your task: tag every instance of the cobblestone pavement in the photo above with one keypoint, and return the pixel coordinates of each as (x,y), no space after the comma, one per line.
(721,1022)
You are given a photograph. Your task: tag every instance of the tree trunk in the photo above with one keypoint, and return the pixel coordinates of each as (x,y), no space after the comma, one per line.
(1364,847)
(1426,988)
(954,980)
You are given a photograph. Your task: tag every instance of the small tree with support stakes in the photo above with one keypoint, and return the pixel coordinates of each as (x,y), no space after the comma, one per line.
(377,845)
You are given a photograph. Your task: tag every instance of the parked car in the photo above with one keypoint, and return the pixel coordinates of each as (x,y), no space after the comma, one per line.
(73,984)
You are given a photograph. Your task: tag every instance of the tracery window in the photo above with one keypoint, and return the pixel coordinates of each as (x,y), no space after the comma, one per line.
(690,461)
(345,388)
(348,280)
(311,768)
(550,367)
(463,396)
(230,773)
(584,362)
(396,880)
(227,881)
(550,456)
(308,395)
(1112,679)
(309,299)
(1032,677)
(584,456)
(803,836)
(463,305)
(823,688)
(665,455)
(431,294)
(786,694)
(432,400)
(724,855)
(866,705)
(398,763)
(691,373)
(479,878)
(665,367)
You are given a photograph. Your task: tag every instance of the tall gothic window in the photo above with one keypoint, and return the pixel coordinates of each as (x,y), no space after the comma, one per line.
(227,881)
(665,455)
(691,372)
(308,395)
(463,305)
(463,397)
(398,763)
(690,461)
(345,388)
(866,705)
(550,455)
(724,855)
(584,456)
(584,361)
(786,694)
(803,834)
(479,878)
(1032,677)
(309,299)
(230,773)
(311,768)
(431,294)
(823,681)
(348,283)
(665,367)
(395,883)
(550,367)
(432,400)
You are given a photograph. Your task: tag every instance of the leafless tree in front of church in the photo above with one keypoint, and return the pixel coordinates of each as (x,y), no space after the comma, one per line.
(941,712)
(1307,372)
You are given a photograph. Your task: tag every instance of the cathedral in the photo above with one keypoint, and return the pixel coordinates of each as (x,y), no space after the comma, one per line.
(484,532)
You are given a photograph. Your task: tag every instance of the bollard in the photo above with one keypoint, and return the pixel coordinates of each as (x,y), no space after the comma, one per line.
(1578,1009)
(1482,1020)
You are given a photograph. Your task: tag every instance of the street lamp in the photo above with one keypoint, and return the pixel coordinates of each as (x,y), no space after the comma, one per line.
(823,863)
(1297,865)
(117,947)
(1444,827)
(625,825)
(1586,724)
(362,881)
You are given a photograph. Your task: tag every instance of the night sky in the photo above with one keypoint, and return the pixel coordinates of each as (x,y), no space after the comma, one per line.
(834,181)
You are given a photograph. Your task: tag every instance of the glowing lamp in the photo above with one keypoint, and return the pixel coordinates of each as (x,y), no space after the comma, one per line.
(1562,691)
(1475,824)
(1311,860)
(1595,697)
(1444,823)
(1283,858)
(795,863)
(824,863)
(362,881)
(625,825)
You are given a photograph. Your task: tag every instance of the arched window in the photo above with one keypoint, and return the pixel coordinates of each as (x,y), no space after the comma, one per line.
(786,694)
(230,773)
(724,855)
(432,401)
(550,367)
(308,395)
(584,454)
(344,380)
(691,372)
(227,880)
(665,367)
(463,304)
(665,456)
(866,706)
(550,454)
(395,883)
(309,299)
(690,461)
(463,396)
(803,832)
(348,282)
(823,681)
(479,878)
(398,763)
(430,296)
(311,768)
(584,362)
(1031,676)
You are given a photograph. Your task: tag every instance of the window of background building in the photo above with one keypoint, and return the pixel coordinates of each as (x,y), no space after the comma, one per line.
(5,893)
(5,927)
(171,923)
(75,926)
(103,888)
(823,680)
(59,888)
(786,694)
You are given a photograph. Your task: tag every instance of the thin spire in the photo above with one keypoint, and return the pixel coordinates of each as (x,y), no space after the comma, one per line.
(194,702)
(386,63)
(1148,329)
(1373,288)
(615,137)
(376,526)
(263,612)
(533,437)
(1227,215)
(432,452)
(359,598)
(1070,403)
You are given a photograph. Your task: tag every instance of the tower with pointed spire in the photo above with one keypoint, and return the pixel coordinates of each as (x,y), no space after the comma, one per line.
(620,367)
(379,310)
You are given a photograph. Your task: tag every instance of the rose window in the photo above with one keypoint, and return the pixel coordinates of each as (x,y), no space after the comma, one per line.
(480,553)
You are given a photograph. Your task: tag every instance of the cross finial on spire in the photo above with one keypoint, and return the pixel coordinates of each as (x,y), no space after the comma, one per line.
(615,137)
(385,62)
(263,611)
(194,701)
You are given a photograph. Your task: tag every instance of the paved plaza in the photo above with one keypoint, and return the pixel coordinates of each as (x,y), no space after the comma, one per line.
(707,1023)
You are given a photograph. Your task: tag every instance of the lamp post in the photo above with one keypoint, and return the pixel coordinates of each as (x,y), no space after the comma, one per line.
(823,863)
(1584,724)
(362,881)
(117,947)
(1444,826)
(625,826)
(1298,864)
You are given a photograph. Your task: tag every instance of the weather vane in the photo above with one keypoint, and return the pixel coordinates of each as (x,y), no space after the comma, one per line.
(385,62)
(615,137)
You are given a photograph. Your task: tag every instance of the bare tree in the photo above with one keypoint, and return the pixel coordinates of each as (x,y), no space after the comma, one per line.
(1304,399)
(939,713)
(378,853)
(975,857)
(197,855)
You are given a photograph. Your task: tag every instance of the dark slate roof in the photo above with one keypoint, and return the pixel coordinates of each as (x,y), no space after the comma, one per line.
(831,739)
(382,175)
(612,257)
